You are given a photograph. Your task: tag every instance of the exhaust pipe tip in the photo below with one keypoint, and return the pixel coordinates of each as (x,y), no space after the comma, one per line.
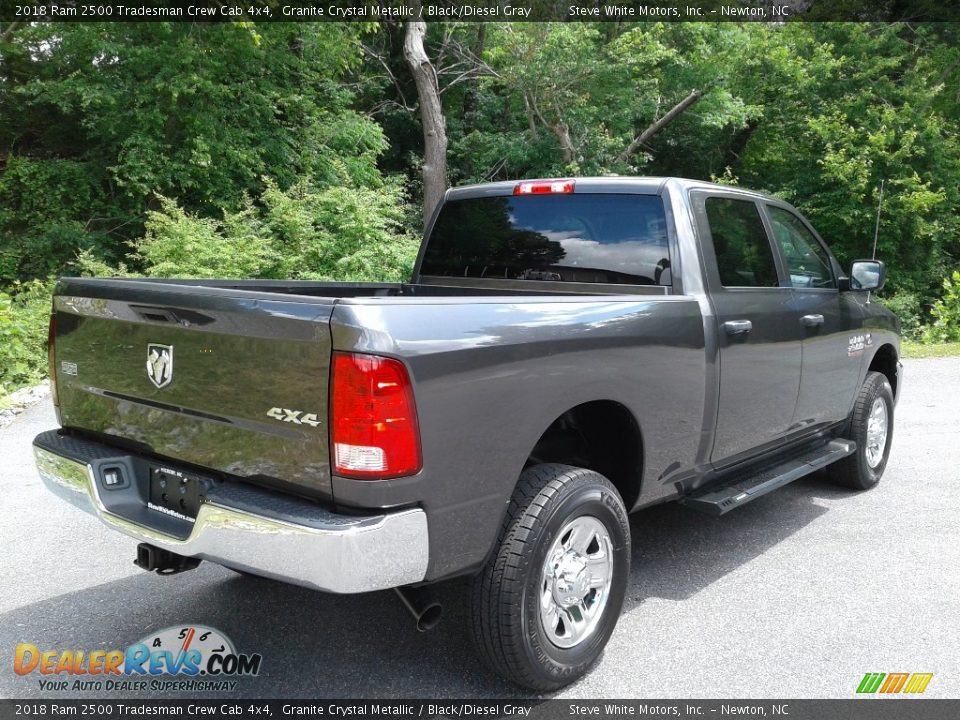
(430,617)
(422,605)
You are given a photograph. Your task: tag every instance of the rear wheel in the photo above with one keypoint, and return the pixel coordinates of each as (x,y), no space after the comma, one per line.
(871,426)
(546,603)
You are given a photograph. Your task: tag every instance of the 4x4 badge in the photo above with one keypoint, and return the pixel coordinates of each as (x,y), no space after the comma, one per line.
(160,364)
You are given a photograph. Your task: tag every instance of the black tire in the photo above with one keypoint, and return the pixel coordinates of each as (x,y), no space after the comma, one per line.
(506,595)
(855,471)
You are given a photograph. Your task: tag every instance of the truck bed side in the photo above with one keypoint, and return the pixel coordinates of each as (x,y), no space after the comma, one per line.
(509,367)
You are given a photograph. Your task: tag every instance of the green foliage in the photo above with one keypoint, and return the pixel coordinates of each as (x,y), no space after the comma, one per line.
(946,313)
(909,307)
(330,233)
(88,264)
(24,317)
(871,109)
(179,244)
(99,121)
(40,201)
(247,150)
(339,233)
(557,84)
(817,113)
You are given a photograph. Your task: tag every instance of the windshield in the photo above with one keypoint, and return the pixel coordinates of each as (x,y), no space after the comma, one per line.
(591,238)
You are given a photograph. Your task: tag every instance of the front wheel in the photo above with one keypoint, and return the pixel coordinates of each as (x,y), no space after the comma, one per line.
(547,601)
(871,426)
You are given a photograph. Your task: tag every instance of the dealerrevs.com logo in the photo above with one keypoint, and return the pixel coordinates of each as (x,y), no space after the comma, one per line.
(188,658)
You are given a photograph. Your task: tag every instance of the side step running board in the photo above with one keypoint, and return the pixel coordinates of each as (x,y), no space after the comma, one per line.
(718,500)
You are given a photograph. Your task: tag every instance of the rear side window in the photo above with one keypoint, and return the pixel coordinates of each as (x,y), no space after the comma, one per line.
(588,238)
(805,257)
(744,255)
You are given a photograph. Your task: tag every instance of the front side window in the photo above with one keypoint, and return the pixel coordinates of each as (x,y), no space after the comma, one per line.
(744,255)
(588,238)
(804,256)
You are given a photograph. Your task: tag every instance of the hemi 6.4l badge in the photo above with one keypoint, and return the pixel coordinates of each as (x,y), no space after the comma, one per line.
(160,364)
(297,417)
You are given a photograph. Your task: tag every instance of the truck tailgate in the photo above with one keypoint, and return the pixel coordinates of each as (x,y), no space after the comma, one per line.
(225,379)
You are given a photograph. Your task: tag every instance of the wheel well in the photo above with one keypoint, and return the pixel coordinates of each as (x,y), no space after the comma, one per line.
(601,435)
(885,361)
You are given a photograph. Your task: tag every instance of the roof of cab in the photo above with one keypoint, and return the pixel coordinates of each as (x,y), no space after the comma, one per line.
(610,184)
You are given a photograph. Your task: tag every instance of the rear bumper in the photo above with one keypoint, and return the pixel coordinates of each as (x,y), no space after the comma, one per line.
(244,527)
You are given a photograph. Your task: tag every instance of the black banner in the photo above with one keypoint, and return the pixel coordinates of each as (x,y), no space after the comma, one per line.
(872,709)
(477,10)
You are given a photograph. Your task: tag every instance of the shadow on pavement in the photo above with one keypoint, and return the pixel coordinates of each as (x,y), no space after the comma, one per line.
(678,552)
(366,646)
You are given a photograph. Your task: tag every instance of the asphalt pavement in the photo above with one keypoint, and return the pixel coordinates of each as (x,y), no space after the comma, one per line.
(795,595)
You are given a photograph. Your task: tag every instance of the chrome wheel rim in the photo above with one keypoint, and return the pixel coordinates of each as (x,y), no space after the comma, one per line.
(876,432)
(575,581)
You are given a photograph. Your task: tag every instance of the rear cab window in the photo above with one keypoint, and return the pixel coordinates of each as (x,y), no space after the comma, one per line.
(613,239)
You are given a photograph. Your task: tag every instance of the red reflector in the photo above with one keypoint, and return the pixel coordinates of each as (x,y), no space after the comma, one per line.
(544,187)
(373,419)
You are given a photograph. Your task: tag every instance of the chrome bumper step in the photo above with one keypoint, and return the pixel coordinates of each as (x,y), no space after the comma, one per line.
(239,525)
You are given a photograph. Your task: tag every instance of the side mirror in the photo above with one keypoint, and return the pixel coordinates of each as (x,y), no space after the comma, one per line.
(865,275)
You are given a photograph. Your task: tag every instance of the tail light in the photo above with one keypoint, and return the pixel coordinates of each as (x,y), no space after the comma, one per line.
(373,419)
(544,187)
(51,362)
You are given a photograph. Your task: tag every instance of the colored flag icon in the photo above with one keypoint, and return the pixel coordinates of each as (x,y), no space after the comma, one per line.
(893,683)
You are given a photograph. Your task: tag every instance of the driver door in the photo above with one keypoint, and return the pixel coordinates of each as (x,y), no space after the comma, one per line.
(827,319)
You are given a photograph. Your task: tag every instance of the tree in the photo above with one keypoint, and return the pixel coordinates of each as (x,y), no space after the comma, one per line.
(101,120)
(566,98)
(857,104)
(434,168)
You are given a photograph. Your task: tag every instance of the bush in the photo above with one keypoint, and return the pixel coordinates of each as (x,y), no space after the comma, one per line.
(332,233)
(179,244)
(49,209)
(339,233)
(89,264)
(946,313)
(24,317)
(909,307)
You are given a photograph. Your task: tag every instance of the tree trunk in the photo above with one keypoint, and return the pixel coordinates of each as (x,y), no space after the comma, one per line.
(8,29)
(659,125)
(739,143)
(562,131)
(531,121)
(431,117)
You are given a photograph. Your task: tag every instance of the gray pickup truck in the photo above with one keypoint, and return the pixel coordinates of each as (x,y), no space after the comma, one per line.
(567,352)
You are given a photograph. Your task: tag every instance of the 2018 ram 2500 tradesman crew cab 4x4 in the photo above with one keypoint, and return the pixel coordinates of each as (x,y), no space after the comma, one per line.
(567,352)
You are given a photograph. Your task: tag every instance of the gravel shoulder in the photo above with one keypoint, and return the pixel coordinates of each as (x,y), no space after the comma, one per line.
(14,404)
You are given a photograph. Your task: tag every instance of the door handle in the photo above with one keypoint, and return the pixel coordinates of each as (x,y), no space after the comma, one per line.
(811,320)
(737,327)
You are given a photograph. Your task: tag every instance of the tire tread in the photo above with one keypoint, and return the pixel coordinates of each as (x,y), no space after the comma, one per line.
(848,472)
(499,586)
